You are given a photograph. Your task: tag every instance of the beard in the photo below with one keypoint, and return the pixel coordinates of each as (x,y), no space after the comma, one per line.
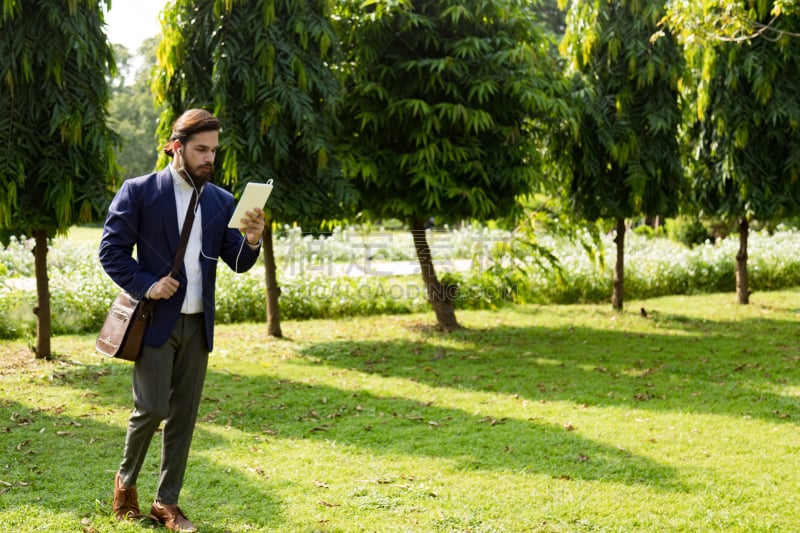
(200,175)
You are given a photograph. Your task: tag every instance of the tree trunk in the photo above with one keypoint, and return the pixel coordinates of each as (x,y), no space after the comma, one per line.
(618,293)
(273,290)
(742,285)
(42,309)
(440,296)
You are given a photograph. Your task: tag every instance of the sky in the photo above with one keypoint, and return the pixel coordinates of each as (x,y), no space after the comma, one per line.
(130,22)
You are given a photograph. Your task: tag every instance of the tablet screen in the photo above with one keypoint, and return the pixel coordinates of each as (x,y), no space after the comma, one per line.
(254,195)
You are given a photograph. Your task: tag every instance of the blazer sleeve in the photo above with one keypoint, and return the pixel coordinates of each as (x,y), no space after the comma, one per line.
(120,233)
(237,254)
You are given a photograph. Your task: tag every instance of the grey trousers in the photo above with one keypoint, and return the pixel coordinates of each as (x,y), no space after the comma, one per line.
(167,385)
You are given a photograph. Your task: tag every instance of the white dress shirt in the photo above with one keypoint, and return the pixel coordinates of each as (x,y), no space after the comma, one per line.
(193,303)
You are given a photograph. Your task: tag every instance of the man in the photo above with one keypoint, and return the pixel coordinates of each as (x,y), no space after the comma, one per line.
(148,212)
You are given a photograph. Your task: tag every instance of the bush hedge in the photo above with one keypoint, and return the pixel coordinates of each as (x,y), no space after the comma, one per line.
(311,288)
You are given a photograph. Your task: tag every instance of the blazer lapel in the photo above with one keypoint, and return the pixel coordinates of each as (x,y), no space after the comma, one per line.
(166,197)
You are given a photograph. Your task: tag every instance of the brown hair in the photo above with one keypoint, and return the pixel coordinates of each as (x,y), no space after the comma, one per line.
(191,122)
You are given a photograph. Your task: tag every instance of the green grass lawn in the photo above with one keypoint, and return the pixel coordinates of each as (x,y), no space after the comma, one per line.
(533,418)
(79,234)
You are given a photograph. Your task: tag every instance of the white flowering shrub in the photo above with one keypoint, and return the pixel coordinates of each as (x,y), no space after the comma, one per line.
(336,275)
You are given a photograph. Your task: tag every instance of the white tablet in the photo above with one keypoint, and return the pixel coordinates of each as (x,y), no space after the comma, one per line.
(254,195)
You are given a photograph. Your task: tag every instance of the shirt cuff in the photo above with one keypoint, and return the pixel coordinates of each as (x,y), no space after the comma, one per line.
(147,294)
(253,246)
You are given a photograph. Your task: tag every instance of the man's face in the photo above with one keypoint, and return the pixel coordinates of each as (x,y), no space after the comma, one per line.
(198,155)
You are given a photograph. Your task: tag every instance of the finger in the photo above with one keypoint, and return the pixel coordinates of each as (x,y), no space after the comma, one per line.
(256,214)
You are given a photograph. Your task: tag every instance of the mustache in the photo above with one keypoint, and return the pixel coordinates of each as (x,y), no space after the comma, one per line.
(200,175)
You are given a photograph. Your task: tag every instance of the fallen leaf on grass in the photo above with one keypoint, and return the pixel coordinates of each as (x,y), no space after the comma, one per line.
(88,527)
(492,421)
(329,504)
(321,484)
(21,420)
(569,427)
(8,485)
(379,481)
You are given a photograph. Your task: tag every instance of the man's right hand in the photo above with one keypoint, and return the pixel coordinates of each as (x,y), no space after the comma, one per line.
(164,288)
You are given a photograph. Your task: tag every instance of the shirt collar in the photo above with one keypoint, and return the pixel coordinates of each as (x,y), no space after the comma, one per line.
(179,181)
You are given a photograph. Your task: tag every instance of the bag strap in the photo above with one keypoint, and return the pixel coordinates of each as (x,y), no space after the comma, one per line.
(185,231)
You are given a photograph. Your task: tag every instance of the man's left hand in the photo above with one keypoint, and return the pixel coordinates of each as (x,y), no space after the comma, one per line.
(253,226)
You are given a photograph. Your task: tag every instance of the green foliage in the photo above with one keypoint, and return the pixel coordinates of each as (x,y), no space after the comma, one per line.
(745,155)
(438,117)
(687,230)
(263,68)
(16,312)
(550,16)
(618,154)
(706,22)
(57,148)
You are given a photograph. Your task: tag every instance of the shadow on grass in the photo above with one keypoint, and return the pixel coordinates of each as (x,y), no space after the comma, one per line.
(721,368)
(58,475)
(386,426)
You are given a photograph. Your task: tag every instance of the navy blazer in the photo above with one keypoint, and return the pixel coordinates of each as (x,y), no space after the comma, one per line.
(144,214)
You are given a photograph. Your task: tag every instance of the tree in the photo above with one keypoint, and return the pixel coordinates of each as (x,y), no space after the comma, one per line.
(745,132)
(272,87)
(619,155)
(57,150)
(439,111)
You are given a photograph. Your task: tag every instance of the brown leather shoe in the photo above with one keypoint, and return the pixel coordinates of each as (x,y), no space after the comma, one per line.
(172,517)
(126,501)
